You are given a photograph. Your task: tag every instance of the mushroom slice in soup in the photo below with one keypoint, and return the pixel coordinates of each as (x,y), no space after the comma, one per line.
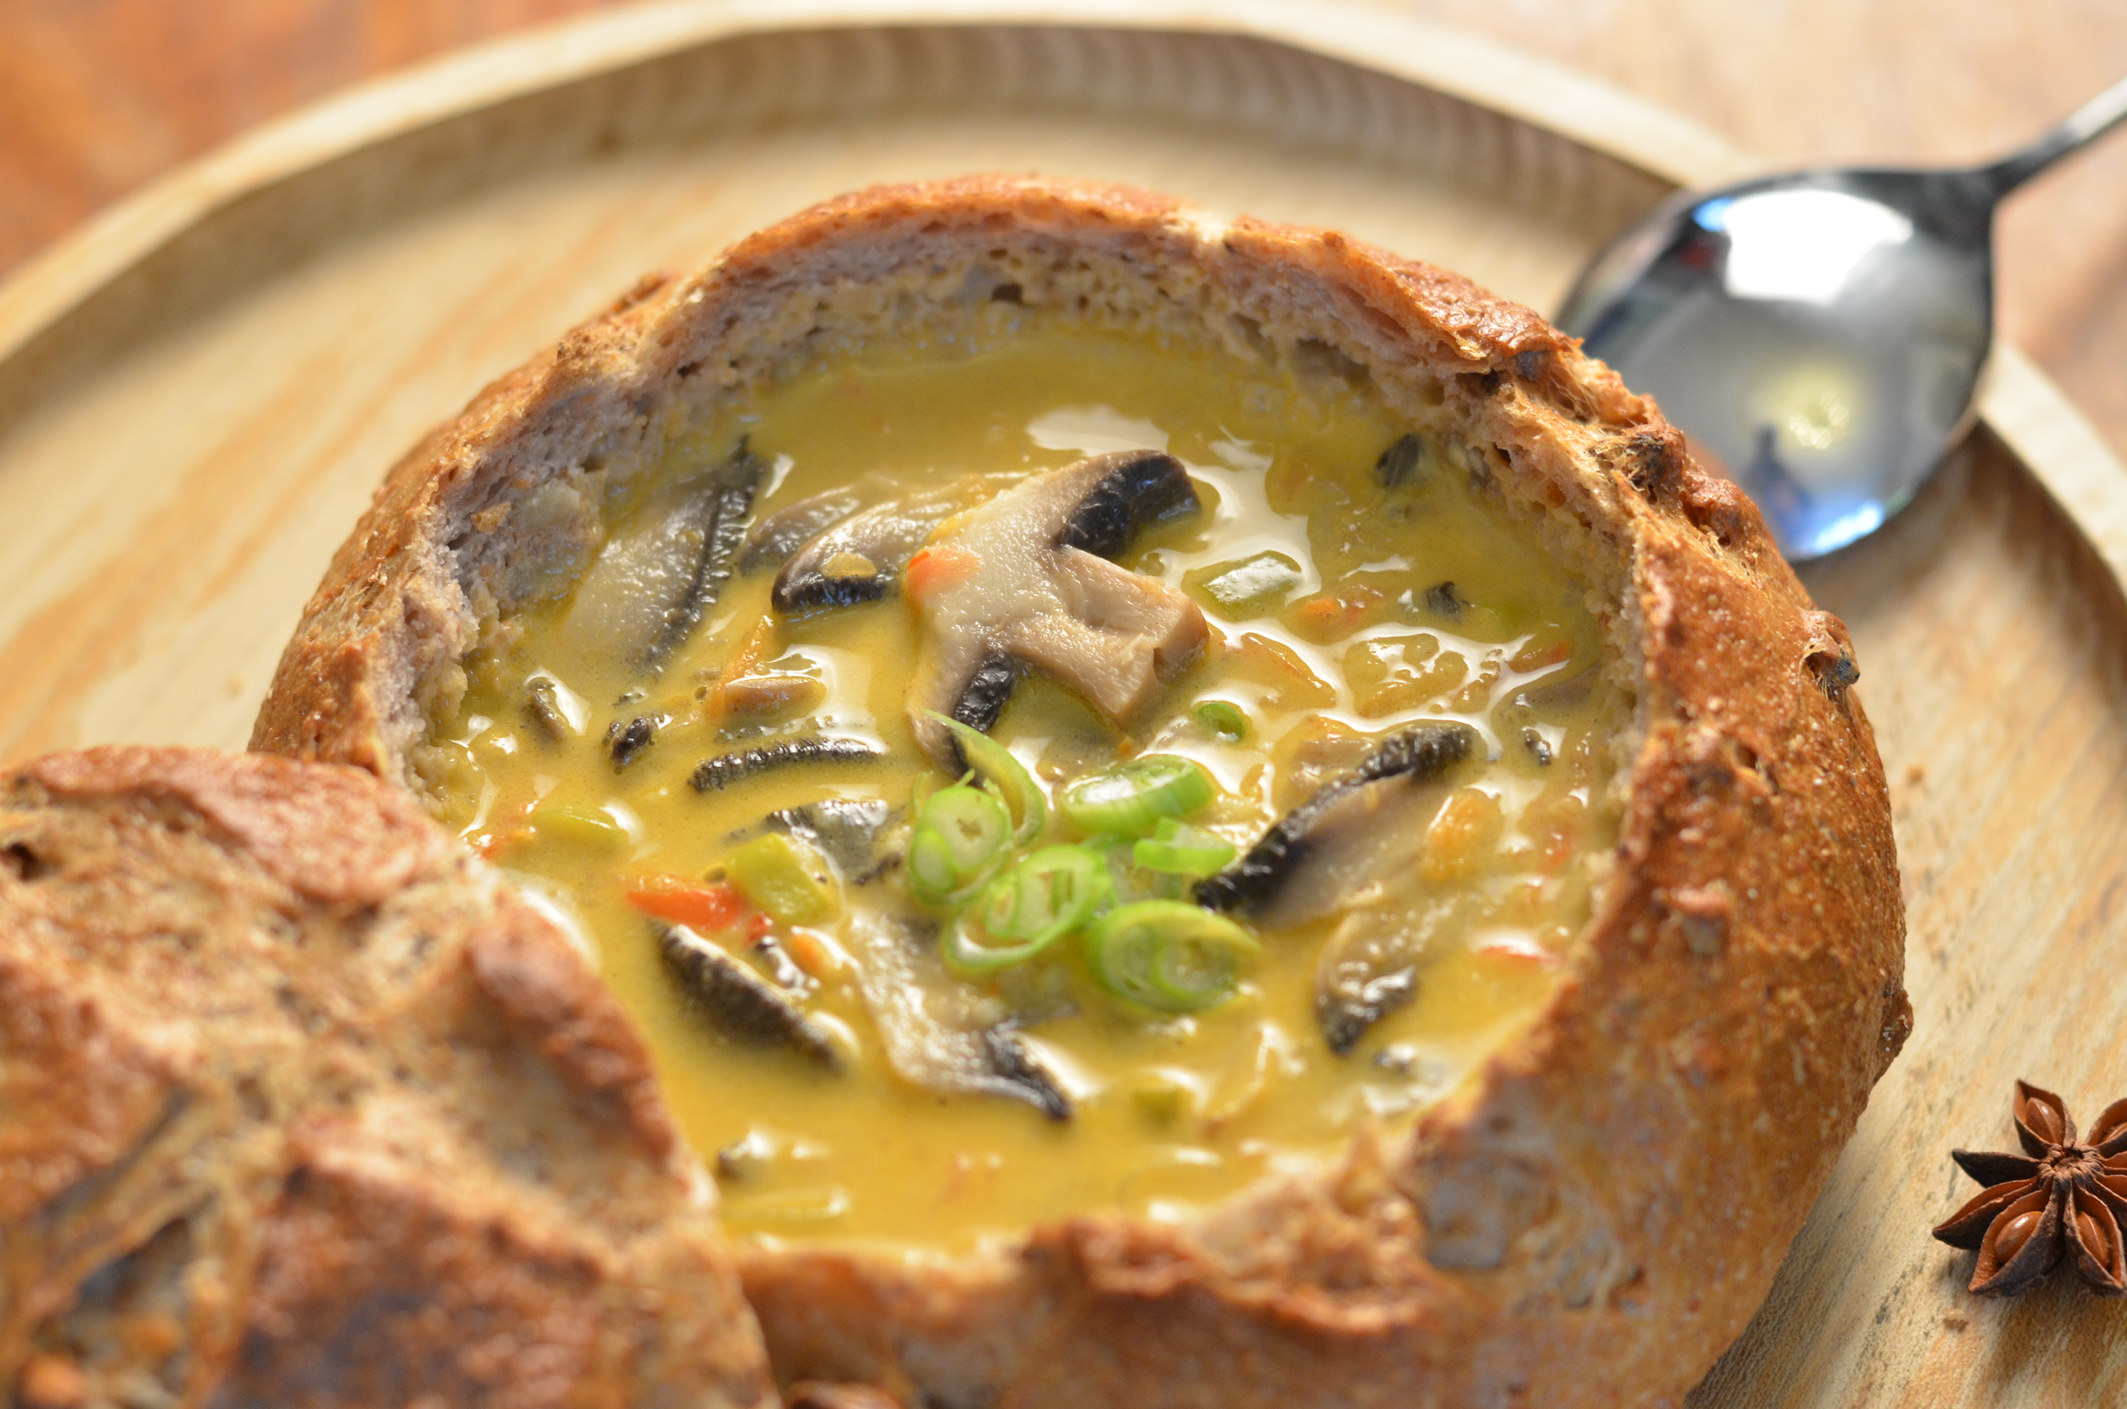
(648,588)
(1352,848)
(740,1003)
(860,558)
(935,1032)
(1369,966)
(845,830)
(1026,578)
(1355,830)
(771,541)
(721,771)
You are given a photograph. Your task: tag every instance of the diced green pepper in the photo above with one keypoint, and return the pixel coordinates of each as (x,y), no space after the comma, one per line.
(577,826)
(1252,587)
(780,878)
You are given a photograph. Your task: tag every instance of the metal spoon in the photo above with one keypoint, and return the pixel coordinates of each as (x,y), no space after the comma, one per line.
(1820,333)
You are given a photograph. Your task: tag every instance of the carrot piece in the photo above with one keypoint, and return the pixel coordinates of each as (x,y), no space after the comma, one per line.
(1517,949)
(1322,610)
(1542,650)
(936,569)
(495,843)
(704,905)
(810,954)
(1328,616)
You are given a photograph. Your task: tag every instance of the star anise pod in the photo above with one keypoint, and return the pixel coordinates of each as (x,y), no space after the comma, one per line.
(2061,1193)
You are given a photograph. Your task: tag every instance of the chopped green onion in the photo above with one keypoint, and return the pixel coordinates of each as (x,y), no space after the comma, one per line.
(1055,890)
(577,826)
(931,876)
(779,878)
(1030,807)
(1224,719)
(1132,881)
(1132,796)
(974,825)
(962,835)
(1168,955)
(1178,849)
(971,951)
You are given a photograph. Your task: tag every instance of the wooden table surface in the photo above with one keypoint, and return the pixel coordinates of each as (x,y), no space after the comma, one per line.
(97,96)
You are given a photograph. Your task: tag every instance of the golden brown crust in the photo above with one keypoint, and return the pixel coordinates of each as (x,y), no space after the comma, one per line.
(299,1105)
(1593,1217)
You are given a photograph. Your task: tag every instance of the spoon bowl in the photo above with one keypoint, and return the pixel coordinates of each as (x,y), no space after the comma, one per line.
(1819,335)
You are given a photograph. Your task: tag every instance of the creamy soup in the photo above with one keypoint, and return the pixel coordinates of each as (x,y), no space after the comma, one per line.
(1301,793)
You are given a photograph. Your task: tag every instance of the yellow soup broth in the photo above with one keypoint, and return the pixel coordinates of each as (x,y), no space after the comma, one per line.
(1341,609)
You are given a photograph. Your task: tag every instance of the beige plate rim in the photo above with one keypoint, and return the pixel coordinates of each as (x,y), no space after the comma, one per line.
(2018,402)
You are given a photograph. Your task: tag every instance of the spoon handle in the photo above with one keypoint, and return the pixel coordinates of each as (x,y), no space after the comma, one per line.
(2081,127)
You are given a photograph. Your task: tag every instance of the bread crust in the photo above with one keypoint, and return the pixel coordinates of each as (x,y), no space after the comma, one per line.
(1592,1217)
(299,1104)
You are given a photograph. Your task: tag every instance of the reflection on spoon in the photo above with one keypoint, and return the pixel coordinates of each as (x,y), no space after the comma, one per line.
(1818,335)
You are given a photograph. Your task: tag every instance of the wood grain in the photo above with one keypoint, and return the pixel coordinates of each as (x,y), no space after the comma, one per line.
(97,96)
(180,453)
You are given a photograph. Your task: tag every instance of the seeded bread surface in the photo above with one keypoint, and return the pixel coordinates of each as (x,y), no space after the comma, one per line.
(300,1105)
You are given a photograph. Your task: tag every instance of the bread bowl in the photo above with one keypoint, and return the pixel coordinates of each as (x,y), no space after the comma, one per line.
(299,1104)
(1591,1205)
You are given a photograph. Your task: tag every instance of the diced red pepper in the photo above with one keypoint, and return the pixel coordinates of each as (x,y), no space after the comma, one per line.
(1330,617)
(704,905)
(1539,653)
(495,843)
(1516,948)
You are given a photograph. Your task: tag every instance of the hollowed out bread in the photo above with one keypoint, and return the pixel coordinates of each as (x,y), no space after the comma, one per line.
(1592,1217)
(299,1105)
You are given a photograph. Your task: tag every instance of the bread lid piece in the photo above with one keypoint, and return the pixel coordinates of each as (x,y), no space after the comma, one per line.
(1592,1217)
(300,1105)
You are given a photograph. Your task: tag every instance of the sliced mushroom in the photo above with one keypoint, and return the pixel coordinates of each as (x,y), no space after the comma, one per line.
(1014,1062)
(740,1003)
(1035,587)
(665,566)
(626,742)
(931,1027)
(860,559)
(716,774)
(846,830)
(774,537)
(1353,848)
(1369,967)
(544,711)
(1356,829)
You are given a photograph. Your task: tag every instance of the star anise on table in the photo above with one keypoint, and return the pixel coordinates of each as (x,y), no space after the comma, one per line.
(2060,1194)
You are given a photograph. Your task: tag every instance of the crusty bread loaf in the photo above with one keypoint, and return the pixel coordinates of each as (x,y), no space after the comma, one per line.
(1595,1214)
(300,1106)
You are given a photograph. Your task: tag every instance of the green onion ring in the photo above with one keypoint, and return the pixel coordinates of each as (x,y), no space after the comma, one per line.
(1223,718)
(1050,893)
(1178,849)
(995,763)
(970,957)
(961,837)
(1131,797)
(1168,955)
